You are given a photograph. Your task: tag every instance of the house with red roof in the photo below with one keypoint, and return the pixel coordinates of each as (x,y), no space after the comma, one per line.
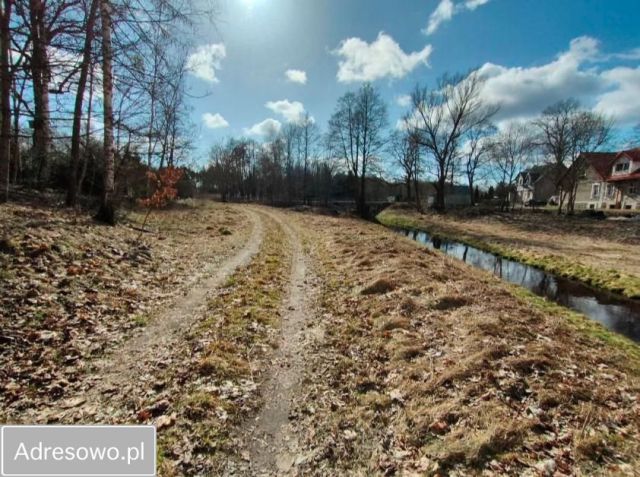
(609,181)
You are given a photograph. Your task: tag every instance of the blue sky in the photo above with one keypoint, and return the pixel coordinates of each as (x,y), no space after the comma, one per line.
(531,52)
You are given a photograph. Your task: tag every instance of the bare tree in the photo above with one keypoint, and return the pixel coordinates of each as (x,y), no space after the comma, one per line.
(356,132)
(40,72)
(107,209)
(442,117)
(406,153)
(555,126)
(590,131)
(5,98)
(290,137)
(309,135)
(510,152)
(565,131)
(476,154)
(86,64)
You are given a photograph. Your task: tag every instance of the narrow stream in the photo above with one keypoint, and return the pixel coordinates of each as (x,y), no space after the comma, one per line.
(616,312)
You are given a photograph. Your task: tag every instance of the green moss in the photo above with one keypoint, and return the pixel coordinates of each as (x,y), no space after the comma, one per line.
(610,280)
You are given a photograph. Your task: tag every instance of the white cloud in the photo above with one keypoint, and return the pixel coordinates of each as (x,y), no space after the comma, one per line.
(204,62)
(214,121)
(404,100)
(292,111)
(524,92)
(446,10)
(631,55)
(473,4)
(443,13)
(383,58)
(623,100)
(296,76)
(267,128)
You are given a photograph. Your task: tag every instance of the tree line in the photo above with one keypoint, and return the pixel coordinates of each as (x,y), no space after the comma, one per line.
(449,135)
(93,98)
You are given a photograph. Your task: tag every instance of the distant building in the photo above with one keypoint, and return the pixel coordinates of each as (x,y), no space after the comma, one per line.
(537,185)
(609,181)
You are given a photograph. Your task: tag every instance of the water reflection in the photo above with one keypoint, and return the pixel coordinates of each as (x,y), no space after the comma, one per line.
(615,312)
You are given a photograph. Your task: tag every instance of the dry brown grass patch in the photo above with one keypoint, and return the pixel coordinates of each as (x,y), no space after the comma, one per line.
(408,306)
(530,363)
(595,446)
(379,287)
(476,374)
(226,366)
(469,365)
(450,303)
(408,352)
(476,447)
(395,323)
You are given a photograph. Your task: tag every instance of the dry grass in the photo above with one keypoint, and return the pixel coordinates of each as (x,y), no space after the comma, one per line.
(603,253)
(379,287)
(221,387)
(450,371)
(72,289)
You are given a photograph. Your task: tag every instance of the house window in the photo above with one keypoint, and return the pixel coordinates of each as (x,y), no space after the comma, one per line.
(633,189)
(595,191)
(610,191)
(622,167)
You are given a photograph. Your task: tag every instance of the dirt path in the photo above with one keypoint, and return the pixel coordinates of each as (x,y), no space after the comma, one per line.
(129,370)
(271,438)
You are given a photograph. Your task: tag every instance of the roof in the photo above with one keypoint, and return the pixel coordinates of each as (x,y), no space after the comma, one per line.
(537,172)
(625,177)
(632,153)
(600,161)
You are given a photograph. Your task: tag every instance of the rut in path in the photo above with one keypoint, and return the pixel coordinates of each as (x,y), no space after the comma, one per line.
(270,438)
(128,369)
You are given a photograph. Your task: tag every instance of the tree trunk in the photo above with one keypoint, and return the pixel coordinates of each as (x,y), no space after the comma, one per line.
(416,187)
(87,134)
(440,193)
(72,192)
(362,201)
(471,191)
(16,158)
(5,100)
(40,79)
(15,139)
(416,184)
(106,213)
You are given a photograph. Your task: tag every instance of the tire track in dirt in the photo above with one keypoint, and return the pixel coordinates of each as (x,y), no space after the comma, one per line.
(271,439)
(129,368)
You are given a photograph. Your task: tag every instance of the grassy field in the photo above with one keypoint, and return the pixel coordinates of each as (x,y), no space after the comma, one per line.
(605,254)
(431,368)
(407,362)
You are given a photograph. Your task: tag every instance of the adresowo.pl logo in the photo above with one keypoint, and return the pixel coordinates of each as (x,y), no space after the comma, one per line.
(91,451)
